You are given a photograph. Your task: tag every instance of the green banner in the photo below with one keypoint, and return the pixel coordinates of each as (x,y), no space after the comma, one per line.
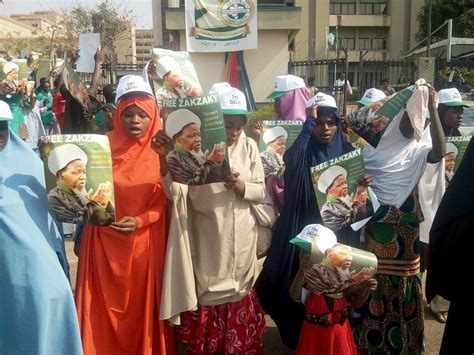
(455,149)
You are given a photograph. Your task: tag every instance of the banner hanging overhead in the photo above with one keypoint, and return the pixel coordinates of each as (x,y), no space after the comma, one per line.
(221,25)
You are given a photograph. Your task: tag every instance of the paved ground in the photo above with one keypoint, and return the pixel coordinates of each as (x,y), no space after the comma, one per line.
(273,344)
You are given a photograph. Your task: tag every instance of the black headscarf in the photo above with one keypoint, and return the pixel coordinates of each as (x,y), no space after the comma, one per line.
(300,209)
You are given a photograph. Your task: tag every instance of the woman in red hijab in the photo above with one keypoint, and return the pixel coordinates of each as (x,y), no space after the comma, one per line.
(119,281)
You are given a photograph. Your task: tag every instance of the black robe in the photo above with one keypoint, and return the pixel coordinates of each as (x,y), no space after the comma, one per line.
(451,253)
(300,209)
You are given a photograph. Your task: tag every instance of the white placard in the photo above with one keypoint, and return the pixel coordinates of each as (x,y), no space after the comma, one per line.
(88,45)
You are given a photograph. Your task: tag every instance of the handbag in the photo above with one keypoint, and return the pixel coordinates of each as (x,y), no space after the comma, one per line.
(265,215)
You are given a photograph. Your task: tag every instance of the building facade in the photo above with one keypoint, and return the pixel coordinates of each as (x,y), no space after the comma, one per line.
(144,43)
(380,29)
(278,23)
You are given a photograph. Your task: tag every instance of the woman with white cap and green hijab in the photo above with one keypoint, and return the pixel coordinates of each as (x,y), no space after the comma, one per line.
(213,237)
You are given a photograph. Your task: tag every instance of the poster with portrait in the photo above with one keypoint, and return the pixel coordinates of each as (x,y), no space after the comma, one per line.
(76,87)
(320,242)
(287,133)
(343,201)
(455,149)
(198,153)
(22,71)
(221,25)
(174,75)
(370,122)
(79,180)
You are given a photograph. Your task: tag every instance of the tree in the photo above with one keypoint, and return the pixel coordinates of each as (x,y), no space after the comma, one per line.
(109,18)
(461,11)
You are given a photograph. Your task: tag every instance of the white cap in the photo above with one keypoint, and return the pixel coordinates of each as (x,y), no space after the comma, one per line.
(9,66)
(273,133)
(132,83)
(5,112)
(451,148)
(286,83)
(372,95)
(232,101)
(216,87)
(328,176)
(166,64)
(322,99)
(177,120)
(322,236)
(450,97)
(61,156)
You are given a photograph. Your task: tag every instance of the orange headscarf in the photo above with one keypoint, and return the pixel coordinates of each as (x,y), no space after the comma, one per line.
(136,166)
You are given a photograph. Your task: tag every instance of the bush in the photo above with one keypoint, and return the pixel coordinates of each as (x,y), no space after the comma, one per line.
(264,112)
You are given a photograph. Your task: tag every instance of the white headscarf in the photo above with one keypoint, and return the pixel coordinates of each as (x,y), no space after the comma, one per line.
(397,163)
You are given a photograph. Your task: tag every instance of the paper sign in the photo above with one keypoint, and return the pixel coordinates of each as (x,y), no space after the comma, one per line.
(88,45)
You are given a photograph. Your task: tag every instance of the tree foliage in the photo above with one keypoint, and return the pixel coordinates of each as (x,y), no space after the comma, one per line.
(461,11)
(109,18)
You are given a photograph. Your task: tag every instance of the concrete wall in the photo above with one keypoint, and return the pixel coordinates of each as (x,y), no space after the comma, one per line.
(262,64)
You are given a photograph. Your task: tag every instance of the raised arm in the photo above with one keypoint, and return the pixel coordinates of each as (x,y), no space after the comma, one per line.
(436,131)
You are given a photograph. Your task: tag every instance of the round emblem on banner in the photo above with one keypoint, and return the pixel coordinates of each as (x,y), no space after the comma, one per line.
(236,13)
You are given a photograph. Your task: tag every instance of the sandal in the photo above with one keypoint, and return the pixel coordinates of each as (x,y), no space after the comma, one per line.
(440,317)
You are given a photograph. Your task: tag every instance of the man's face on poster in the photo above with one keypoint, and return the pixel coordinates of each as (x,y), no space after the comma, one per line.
(339,187)
(278,145)
(74,175)
(173,79)
(450,158)
(340,257)
(189,138)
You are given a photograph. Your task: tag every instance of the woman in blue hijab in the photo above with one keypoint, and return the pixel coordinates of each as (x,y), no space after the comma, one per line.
(321,139)
(37,313)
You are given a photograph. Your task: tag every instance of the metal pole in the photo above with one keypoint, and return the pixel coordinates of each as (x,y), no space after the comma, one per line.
(346,69)
(429,32)
(337,55)
(450,35)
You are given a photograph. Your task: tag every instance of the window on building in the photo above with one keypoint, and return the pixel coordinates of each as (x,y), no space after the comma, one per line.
(348,43)
(372,8)
(337,8)
(273,2)
(373,43)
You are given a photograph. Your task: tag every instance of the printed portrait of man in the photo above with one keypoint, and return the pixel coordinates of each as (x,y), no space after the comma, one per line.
(449,160)
(272,158)
(341,209)
(174,83)
(187,162)
(69,200)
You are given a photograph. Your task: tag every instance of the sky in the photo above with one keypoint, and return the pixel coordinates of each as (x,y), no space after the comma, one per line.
(141,9)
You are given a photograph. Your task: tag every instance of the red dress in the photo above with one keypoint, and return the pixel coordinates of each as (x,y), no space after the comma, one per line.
(336,339)
(59,107)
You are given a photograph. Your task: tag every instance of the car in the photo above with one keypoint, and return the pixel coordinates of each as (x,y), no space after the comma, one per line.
(467,126)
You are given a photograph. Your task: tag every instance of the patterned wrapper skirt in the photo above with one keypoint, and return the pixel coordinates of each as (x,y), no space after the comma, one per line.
(392,319)
(229,328)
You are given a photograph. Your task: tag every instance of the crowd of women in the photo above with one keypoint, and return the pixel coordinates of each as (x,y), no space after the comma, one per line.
(180,262)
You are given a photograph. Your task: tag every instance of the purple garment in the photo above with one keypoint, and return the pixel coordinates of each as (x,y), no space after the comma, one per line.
(276,189)
(292,105)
